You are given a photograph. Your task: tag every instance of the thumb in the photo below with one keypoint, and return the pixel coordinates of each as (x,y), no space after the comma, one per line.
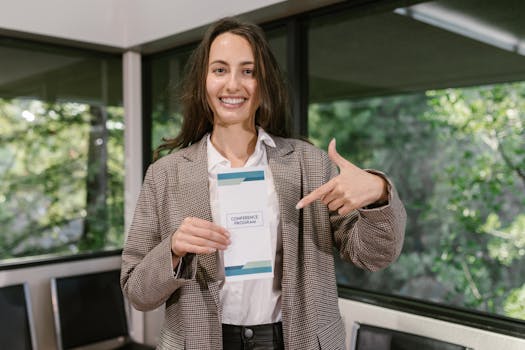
(334,156)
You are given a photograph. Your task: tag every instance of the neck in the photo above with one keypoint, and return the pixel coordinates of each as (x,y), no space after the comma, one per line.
(235,143)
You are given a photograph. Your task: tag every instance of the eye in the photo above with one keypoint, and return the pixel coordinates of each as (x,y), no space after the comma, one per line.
(248,71)
(219,70)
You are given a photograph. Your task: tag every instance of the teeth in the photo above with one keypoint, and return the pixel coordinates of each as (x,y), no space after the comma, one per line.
(232,101)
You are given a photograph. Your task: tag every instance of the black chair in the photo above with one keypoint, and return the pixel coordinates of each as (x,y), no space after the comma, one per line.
(89,311)
(367,337)
(16,320)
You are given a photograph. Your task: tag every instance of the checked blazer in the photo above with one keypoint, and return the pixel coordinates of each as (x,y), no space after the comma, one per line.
(176,187)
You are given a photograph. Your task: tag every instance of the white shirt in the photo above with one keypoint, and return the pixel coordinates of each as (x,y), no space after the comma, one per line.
(250,302)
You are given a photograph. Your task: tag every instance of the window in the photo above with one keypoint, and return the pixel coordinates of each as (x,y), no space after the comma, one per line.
(434,95)
(61,150)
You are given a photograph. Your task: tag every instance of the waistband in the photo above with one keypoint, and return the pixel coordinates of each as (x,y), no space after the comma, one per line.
(257,332)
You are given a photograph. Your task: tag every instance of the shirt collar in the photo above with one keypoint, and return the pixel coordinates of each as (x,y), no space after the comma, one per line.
(263,136)
(215,158)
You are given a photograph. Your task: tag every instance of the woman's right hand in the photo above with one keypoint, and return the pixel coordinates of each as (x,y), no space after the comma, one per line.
(198,236)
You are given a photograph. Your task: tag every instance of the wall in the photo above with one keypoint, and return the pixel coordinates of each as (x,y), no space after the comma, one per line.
(117,23)
(123,24)
(147,21)
(94,21)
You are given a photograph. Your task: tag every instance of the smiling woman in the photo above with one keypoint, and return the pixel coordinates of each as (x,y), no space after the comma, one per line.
(234,114)
(273,112)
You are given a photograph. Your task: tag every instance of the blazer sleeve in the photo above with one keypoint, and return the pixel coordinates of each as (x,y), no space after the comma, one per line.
(147,276)
(371,238)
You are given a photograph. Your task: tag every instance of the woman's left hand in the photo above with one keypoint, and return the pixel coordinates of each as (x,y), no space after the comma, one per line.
(353,188)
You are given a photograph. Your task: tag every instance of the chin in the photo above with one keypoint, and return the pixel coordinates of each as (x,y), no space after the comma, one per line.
(233,120)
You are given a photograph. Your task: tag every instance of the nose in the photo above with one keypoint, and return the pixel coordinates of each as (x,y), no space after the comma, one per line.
(233,82)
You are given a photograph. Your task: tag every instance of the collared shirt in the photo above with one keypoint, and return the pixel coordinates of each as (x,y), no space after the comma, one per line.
(250,302)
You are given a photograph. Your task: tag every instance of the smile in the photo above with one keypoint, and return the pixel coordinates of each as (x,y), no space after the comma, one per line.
(232,100)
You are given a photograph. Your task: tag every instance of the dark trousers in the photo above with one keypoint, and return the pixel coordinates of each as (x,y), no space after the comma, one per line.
(260,337)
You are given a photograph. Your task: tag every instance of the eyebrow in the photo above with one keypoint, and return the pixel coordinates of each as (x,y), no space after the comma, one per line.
(244,63)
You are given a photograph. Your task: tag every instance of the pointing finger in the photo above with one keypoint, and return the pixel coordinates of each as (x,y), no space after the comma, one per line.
(315,194)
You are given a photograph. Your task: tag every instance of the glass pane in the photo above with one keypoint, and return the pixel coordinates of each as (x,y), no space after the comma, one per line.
(61,150)
(434,95)
(166,75)
(277,39)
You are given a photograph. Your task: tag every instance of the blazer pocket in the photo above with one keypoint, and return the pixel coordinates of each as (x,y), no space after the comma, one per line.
(332,336)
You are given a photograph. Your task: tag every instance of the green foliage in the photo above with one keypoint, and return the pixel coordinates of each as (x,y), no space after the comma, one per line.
(515,303)
(507,244)
(457,158)
(44,178)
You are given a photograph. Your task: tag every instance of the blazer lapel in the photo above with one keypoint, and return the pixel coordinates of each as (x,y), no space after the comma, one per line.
(193,175)
(286,170)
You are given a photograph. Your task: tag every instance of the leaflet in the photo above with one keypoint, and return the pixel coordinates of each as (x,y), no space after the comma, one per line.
(243,211)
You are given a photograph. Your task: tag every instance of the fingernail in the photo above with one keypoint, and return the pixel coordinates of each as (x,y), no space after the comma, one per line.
(212,250)
(299,206)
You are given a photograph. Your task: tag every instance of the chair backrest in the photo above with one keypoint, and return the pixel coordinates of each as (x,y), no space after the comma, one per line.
(16,319)
(89,309)
(367,337)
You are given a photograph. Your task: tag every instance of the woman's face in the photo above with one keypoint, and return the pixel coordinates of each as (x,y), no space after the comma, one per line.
(231,88)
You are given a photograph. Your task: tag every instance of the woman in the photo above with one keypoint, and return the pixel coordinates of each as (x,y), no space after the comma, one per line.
(235,110)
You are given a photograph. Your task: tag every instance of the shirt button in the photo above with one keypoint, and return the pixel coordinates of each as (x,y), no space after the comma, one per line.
(248,333)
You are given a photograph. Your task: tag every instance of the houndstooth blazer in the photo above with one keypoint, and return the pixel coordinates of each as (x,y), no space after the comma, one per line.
(176,187)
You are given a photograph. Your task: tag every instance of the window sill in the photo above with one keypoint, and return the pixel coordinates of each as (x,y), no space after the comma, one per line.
(476,319)
(31,261)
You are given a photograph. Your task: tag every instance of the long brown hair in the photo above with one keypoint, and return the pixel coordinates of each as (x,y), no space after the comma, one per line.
(273,112)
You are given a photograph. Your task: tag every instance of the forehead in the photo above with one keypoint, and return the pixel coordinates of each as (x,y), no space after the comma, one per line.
(230,47)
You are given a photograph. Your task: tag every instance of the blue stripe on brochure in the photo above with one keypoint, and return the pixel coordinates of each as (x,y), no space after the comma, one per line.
(236,271)
(246,175)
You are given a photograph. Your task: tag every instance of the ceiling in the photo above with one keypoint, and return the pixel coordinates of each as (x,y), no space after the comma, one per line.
(430,45)
(427,46)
